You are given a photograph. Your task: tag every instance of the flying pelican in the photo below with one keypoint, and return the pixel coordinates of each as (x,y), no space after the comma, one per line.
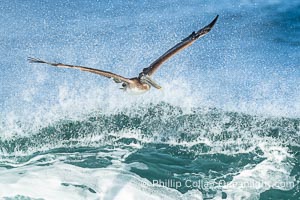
(143,82)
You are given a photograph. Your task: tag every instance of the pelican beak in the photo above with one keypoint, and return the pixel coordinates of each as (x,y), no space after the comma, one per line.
(148,80)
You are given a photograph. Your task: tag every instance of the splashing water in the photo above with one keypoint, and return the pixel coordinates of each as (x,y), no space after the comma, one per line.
(225,126)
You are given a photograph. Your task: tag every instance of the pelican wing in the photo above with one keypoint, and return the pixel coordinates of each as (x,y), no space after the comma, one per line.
(178,47)
(115,77)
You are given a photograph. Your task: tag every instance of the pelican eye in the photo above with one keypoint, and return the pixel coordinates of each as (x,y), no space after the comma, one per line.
(124,85)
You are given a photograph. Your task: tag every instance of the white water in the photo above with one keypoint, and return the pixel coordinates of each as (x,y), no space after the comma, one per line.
(240,67)
(274,172)
(70,182)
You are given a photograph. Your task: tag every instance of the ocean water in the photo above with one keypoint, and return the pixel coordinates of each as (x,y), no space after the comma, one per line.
(225,126)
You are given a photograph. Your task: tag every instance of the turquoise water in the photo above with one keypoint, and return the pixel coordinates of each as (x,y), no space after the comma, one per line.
(225,126)
(156,151)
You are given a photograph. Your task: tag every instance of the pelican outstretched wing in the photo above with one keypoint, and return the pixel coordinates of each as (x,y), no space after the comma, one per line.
(178,47)
(115,77)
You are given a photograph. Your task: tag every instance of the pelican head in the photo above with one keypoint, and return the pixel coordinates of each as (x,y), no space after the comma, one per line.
(146,79)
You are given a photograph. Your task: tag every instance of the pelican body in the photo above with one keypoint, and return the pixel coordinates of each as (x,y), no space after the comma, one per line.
(143,82)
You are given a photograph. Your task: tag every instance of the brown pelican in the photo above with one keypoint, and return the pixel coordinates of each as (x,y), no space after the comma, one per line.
(143,82)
